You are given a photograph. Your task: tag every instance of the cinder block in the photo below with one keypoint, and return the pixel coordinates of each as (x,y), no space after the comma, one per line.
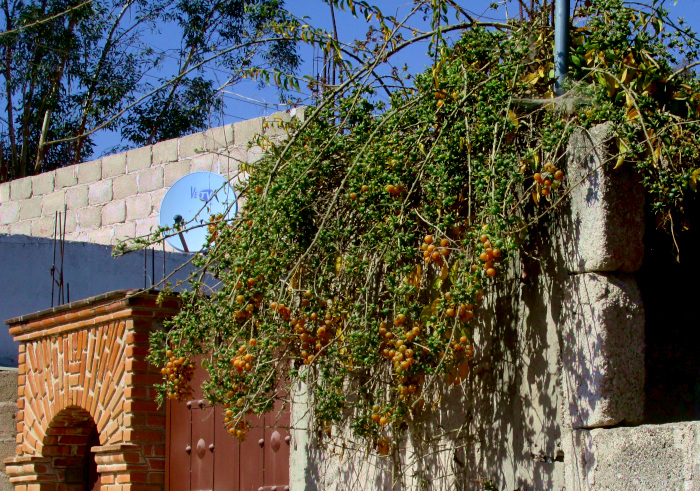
(607,207)
(138,206)
(255,153)
(203,163)
(602,351)
(30,208)
(298,113)
(114,165)
(77,197)
(21,188)
(231,162)
(156,200)
(191,145)
(145,227)
(138,159)
(100,192)
(9,212)
(89,218)
(21,228)
(43,227)
(245,131)
(71,221)
(150,179)
(164,152)
(124,186)
(43,183)
(4,192)
(114,212)
(174,171)
(54,202)
(66,177)
(102,236)
(274,124)
(643,457)
(8,386)
(89,172)
(124,232)
(217,138)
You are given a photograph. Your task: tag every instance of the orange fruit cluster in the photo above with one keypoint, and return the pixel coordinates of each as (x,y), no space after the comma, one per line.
(490,256)
(549,180)
(314,333)
(394,190)
(243,362)
(178,372)
(433,253)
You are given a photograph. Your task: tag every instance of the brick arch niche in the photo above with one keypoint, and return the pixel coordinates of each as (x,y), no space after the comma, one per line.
(87,414)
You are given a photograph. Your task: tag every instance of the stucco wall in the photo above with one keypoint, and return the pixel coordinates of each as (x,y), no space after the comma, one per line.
(89,269)
(559,365)
(8,421)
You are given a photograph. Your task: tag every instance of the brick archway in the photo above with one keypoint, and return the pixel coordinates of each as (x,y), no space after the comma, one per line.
(66,446)
(82,366)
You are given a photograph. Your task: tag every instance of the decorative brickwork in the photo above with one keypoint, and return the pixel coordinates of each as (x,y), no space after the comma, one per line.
(84,389)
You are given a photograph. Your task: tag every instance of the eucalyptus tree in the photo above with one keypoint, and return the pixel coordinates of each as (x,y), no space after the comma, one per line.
(71,68)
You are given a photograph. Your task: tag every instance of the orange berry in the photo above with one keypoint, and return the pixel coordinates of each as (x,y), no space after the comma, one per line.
(484,238)
(497,253)
(491,272)
(444,242)
(428,239)
(538,177)
(545,192)
(558,175)
(253,342)
(450,312)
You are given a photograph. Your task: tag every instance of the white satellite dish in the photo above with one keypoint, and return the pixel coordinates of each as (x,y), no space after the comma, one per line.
(189,204)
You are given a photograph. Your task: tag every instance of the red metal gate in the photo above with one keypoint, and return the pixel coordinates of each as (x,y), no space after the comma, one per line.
(201,455)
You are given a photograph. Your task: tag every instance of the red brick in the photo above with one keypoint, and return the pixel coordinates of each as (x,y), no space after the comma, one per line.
(144,436)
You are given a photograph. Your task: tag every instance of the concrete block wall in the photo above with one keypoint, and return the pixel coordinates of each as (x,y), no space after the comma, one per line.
(8,421)
(118,196)
(559,366)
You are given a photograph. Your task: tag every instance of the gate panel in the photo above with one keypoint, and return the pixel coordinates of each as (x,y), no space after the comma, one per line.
(202,453)
(276,449)
(226,457)
(203,456)
(252,455)
(179,438)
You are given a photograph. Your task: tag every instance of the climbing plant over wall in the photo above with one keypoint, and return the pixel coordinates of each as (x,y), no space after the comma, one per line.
(371,233)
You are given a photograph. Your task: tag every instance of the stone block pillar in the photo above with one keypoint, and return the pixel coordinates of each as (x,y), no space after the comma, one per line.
(602,333)
(86,396)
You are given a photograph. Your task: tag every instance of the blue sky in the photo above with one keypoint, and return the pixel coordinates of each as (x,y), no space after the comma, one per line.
(246,100)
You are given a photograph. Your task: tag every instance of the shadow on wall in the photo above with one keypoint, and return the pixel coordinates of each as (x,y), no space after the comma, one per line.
(502,423)
(90,269)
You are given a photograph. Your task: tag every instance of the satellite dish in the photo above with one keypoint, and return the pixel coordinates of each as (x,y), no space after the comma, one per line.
(189,204)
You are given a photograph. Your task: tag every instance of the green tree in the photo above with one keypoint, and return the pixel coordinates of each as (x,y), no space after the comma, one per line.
(74,67)
(371,235)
